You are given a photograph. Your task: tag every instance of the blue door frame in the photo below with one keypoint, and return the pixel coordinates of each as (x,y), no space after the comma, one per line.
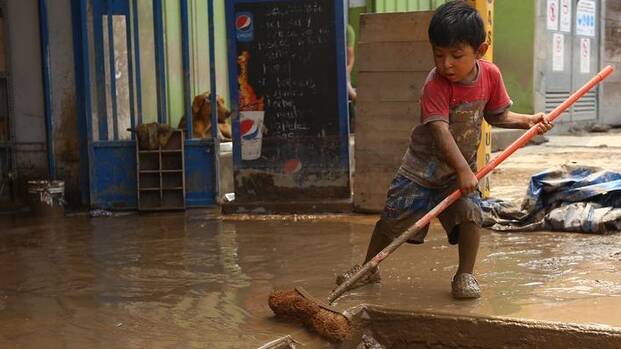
(111,166)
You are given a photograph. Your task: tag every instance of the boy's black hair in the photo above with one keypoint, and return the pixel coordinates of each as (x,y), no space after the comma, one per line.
(456,22)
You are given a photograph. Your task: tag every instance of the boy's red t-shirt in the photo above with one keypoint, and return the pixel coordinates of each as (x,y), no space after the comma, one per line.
(463,106)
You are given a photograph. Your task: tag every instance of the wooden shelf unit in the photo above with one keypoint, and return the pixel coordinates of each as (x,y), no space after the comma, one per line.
(161,176)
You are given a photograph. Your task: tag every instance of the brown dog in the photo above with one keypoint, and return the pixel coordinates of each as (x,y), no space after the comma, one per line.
(201,117)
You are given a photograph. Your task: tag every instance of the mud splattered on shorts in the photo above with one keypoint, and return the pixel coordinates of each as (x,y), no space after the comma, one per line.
(408,201)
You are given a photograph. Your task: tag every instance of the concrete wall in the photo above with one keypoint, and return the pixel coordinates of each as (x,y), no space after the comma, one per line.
(62,84)
(28,119)
(610,98)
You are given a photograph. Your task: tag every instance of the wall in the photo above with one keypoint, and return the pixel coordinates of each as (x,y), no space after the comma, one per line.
(353,18)
(29,116)
(62,84)
(610,99)
(28,95)
(514,30)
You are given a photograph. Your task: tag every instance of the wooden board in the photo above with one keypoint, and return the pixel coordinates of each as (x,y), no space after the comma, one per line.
(393,109)
(395,56)
(390,86)
(394,60)
(387,27)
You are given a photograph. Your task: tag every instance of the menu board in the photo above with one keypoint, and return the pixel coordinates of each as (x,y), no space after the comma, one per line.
(287,78)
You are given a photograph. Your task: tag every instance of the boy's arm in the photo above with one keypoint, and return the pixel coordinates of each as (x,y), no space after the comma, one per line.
(442,135)
(509,119)
(497,109)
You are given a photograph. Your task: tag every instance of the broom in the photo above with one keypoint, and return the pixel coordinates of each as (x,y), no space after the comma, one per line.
(298,305)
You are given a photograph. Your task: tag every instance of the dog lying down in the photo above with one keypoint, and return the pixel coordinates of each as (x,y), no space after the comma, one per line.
(201,117)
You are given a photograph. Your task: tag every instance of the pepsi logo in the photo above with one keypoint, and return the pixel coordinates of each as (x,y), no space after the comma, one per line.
(243,23)
(244,28)
(245,126)
(249,129)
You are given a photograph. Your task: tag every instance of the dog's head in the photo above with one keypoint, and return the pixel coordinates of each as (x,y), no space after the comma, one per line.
(201,107)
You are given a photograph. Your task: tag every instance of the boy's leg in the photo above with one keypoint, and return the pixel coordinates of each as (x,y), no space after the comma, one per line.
(385,231)
(469,237)
(406,202)
(379,240)
(462,221)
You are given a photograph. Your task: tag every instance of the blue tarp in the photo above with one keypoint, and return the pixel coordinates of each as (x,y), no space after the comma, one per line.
(570,198)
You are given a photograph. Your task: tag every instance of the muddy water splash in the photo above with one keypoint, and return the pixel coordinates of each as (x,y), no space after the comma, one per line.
(186,281)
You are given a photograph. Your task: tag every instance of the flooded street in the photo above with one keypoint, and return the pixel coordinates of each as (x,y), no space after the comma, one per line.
(188,281)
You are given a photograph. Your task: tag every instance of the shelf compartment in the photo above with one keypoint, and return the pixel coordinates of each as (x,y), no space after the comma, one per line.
(149,161)
(172,180)
(149,180)
(172,161)
(150,200)
(173,199)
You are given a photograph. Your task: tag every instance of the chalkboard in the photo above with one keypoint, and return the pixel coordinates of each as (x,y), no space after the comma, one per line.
(287,74)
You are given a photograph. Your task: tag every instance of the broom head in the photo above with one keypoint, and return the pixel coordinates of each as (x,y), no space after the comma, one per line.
(299,306)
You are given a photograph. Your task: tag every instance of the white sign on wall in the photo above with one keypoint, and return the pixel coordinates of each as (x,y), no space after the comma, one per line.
(552,14)
(585,18)
(585,55)
(558,52)
(565,15)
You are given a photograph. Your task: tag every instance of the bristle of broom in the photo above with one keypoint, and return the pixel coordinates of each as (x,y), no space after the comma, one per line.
(294,306)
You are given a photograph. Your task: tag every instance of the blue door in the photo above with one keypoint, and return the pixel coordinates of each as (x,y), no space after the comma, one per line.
(124,84)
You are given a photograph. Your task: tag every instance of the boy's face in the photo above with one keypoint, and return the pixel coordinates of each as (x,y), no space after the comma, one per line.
(456,63)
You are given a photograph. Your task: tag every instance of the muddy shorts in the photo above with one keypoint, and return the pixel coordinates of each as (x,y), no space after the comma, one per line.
(408,201)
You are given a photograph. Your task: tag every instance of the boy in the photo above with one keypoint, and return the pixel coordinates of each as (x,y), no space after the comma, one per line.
(441,157)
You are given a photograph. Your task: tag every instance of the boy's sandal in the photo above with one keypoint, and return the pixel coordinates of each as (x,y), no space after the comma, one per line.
(465,286)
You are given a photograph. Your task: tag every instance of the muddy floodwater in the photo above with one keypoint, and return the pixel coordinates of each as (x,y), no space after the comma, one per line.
(188,280)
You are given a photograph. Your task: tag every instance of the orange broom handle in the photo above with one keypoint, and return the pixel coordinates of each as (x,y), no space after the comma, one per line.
(448,201)
(532,132)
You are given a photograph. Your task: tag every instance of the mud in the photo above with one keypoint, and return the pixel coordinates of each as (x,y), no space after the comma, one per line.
(190,281)
(257,186)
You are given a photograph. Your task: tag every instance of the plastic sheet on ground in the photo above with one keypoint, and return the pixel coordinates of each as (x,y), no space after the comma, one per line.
(569,198)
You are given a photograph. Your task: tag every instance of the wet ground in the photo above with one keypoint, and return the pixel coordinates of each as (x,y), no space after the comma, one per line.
(180,281)
(189,280)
